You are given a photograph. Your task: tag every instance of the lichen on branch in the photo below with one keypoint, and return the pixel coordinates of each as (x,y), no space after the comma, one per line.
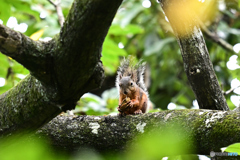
(111,133)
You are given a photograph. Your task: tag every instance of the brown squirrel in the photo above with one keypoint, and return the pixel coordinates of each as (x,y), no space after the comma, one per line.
(133,95)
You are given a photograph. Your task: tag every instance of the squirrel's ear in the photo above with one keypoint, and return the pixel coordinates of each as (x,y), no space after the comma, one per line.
(131,76)
(120,76)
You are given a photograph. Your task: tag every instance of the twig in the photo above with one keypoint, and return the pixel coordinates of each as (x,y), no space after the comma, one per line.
(230,90)
(216,38)
(52,3)
(58,8)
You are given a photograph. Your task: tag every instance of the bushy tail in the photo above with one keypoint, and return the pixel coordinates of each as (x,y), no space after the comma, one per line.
(129,67)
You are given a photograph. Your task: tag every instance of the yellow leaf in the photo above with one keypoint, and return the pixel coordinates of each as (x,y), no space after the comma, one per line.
(184,15)
(35,36)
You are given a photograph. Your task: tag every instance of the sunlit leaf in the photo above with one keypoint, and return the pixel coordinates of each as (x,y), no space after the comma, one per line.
(129,29)
(35,36)
(233,148)
(111,53)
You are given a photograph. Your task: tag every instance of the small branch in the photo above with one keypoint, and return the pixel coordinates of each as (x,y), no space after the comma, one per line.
(58,8)
(52,3)
(230,90)
(215,38)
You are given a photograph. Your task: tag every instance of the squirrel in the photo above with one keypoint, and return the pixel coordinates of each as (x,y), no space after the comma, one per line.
(133,95)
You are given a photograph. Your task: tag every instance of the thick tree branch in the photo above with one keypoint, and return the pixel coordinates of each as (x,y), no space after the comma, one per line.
(197,63)
(19,111)
(83,34)
(31,54)
(204,128)
(62,70)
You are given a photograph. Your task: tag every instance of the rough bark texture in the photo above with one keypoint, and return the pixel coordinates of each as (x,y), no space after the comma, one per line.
(197,64)
(206,130)
(69,65)
(27,106)
(62,70)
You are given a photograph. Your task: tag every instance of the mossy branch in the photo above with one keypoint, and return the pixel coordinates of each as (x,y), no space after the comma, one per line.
(62,70)
(210,129)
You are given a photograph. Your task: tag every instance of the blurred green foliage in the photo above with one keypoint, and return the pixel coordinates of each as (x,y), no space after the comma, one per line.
(159,143)
(138,31)
(152,144)
(27,147)
(91,104)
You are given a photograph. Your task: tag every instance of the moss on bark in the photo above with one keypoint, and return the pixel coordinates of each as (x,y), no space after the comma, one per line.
(62,70)
(207,130)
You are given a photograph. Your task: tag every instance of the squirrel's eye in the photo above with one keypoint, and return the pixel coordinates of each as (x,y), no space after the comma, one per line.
(131,83)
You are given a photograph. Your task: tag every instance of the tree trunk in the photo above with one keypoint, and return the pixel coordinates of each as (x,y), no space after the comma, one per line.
(62,70)
(197,63)
(206,130)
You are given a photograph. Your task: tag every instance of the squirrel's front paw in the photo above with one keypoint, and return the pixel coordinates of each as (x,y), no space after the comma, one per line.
(119,110)
(130,104)
(138,112)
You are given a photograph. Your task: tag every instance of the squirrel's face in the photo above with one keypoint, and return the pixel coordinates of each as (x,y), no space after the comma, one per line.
(127,85)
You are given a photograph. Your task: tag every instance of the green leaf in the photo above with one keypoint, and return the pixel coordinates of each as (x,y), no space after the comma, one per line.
(110,48)
(91,98)
(233,148)
(5,11)
(5,88)
(110,53)
(117,30)
(4,64)
(24,7)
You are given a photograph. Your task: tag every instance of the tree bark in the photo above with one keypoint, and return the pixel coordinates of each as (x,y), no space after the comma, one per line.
(197,63)
(62,70)
(66,67)
(206,130)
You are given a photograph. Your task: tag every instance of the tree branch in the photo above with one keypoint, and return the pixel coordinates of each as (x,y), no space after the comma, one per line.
(215,38)
(197,63)
(62,70)
(230,90)
(110,133)
(83,34)
(31,54)
(26,107)
(58,8)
